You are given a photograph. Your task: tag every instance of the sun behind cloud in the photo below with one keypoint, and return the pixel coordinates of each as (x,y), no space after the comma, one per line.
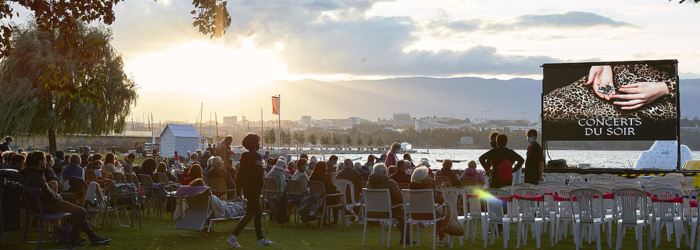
(204,65)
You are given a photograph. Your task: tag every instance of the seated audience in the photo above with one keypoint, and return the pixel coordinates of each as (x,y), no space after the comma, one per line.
(54,203)
(73,170)
(421,180)
(320,174)
(379,179)
(447,171)
(277,174)
(401,175)
(471,172)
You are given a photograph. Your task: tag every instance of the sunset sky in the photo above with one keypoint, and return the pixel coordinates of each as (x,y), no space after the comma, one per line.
(177,68)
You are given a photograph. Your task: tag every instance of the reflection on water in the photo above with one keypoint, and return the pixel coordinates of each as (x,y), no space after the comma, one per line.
(597,158)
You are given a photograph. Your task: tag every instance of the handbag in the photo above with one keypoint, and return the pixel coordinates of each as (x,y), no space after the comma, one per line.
(451,226)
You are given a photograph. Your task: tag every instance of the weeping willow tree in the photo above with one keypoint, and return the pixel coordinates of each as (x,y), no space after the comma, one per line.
(50,89)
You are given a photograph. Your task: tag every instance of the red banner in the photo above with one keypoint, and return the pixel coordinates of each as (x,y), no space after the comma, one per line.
(276,105)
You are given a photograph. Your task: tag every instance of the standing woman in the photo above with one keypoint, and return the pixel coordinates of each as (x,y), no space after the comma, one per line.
(250,179)
(391,157)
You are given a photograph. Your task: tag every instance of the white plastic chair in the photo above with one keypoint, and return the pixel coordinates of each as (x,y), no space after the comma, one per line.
(534,213)
(378,202)
(550,205)
(629,201)
(317,188)
(475,213)
(496,202)
(513,211)
(667,212)
(344,186)
(588,211)
(563,212)
(419,201)
(457,198)
(690,218)
(579,184)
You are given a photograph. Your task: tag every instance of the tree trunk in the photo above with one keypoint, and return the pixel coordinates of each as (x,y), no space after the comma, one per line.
(52,142)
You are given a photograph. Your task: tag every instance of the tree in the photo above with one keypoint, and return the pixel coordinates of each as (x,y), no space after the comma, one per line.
(380,143)
(54,90)
(299,136)
(348,141)
(211,17)
(359,141)
(370,141)
(271,137)
(312,139)
(325,140)
(336,140)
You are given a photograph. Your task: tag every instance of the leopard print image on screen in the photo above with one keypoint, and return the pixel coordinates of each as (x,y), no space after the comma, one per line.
(578,100)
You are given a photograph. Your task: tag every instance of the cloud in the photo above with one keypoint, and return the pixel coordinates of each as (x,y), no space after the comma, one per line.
(572,19)
(375,46)
(322,5)
(317,43)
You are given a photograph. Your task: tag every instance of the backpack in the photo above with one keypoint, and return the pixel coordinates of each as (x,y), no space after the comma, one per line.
(504,170)
(126,188)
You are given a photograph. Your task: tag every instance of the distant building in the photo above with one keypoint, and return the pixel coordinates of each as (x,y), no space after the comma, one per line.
(402,119)
(434,123)
(305,120)
(230,121)
(182,138)
(354,121)
(467,140)
(368,128)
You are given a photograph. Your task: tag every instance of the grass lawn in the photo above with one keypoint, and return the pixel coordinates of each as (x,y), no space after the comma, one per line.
(159,233)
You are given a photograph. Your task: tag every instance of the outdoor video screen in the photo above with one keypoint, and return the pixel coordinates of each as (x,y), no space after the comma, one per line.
(610,101)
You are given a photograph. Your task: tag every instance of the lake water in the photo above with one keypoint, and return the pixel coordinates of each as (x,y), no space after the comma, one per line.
(597,158)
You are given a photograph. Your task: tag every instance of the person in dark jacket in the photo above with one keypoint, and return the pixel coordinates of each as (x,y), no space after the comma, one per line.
(379,179)
(320,174)
(84,157)
(218,171)
(351,174)
(250,182)
(401,175)
(73,170)
(534,164)
(492,159)
(53,203)
(370,164)
(447,171)
(58,162)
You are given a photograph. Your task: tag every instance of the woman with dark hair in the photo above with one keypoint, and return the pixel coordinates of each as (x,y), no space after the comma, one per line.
(250,180)
(195,172)
(109,163)
(148,167)
(163,168)
(320,174)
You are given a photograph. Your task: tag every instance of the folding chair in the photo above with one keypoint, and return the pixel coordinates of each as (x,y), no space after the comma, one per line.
(199,209)
(107,175)
(468,181)
(294,188)
(439,180)
(317,188)
(33,195)
(114,205)
(119,177)
(150,199)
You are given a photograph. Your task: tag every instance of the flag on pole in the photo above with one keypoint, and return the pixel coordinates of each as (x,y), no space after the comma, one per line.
(275,105)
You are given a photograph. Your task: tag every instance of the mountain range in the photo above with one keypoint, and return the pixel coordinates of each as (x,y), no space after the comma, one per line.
(462,97)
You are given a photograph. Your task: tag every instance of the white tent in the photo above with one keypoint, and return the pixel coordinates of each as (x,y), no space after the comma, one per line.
(182,138)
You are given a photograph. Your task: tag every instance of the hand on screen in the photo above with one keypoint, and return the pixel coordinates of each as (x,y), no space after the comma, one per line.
(599,76)
(640,94)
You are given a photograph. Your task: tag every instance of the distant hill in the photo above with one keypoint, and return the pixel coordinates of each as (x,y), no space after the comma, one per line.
(422,96)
